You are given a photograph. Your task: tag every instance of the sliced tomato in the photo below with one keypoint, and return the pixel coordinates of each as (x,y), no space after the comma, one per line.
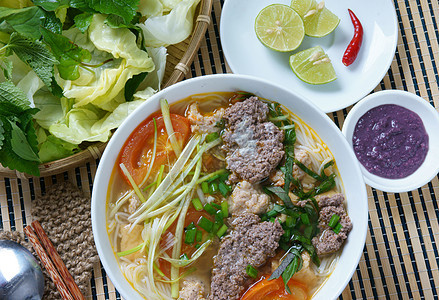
(137,152)
(192,215)
(275,290)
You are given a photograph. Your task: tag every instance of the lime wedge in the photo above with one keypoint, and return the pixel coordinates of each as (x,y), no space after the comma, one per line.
(279,27)
(303,6)
(313,66)
(319,21)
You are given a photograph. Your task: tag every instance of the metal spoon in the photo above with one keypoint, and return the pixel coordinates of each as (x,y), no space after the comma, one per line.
(20,275)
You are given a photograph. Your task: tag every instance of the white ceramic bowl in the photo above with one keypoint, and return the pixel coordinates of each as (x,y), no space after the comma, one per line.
(430,118)
(345,158)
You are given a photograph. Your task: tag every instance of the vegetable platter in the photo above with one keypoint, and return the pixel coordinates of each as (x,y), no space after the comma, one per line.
(73,70)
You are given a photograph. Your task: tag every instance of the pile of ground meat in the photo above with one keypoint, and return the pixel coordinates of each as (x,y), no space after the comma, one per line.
(327,241)
(254,146)
(250,243)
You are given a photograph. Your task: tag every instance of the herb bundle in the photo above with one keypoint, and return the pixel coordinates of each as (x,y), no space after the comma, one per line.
(301,223)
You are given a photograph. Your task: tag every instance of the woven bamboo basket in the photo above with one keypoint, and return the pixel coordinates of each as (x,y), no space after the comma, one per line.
(179,59)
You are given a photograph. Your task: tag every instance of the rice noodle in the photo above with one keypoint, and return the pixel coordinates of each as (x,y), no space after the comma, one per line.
(168,201)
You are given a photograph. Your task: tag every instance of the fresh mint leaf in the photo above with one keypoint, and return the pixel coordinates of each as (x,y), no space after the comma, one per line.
(51,22)
(17,134)
(51,5)
(69,55)
(124,8)
(8,158)
(35,54)
(25,21)
(20,144)
(13,101)
(83,21)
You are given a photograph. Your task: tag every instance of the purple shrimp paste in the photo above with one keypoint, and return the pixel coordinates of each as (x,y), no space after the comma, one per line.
(390,141)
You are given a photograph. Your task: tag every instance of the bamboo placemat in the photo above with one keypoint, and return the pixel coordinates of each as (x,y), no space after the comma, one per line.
(401,256)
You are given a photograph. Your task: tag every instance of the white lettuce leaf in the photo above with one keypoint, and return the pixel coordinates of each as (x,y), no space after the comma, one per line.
(154,79)
(150,8)
(30,84)
(76,125)
(114,119)
(102,84)
(171,28)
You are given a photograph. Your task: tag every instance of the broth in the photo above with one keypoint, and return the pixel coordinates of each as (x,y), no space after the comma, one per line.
(156,230)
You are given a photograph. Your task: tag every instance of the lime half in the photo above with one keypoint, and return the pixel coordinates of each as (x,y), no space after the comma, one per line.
(313,66)
(279,27)
(318,20)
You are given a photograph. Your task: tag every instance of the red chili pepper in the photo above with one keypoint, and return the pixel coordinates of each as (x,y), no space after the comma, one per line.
(353,48)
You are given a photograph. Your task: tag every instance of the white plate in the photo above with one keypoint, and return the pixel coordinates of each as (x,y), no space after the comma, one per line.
(246,55)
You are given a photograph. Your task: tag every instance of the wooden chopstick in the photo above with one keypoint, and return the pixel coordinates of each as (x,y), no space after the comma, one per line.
(61,267)
(63,280)
(56,278)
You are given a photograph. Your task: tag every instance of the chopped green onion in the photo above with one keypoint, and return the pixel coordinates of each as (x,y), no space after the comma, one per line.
(197,245)
(191,226)
(305,219)
(209,208)
(222,174)
(213,188)
(290,221)
(219,216)
(190,236)
(224,189)
(216,226)
(334,220)
(184,257)
(337,228)
(197,204)
(206,224)
(251,271)
(213,178)
(222,230)
(205,187)
(199,236)
(225,208)
(217,206)
(212,136)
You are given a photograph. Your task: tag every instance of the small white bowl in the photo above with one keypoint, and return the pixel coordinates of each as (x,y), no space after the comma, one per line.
(430,117)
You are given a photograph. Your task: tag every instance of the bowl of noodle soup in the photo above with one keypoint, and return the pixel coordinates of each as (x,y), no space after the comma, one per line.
(173,211)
